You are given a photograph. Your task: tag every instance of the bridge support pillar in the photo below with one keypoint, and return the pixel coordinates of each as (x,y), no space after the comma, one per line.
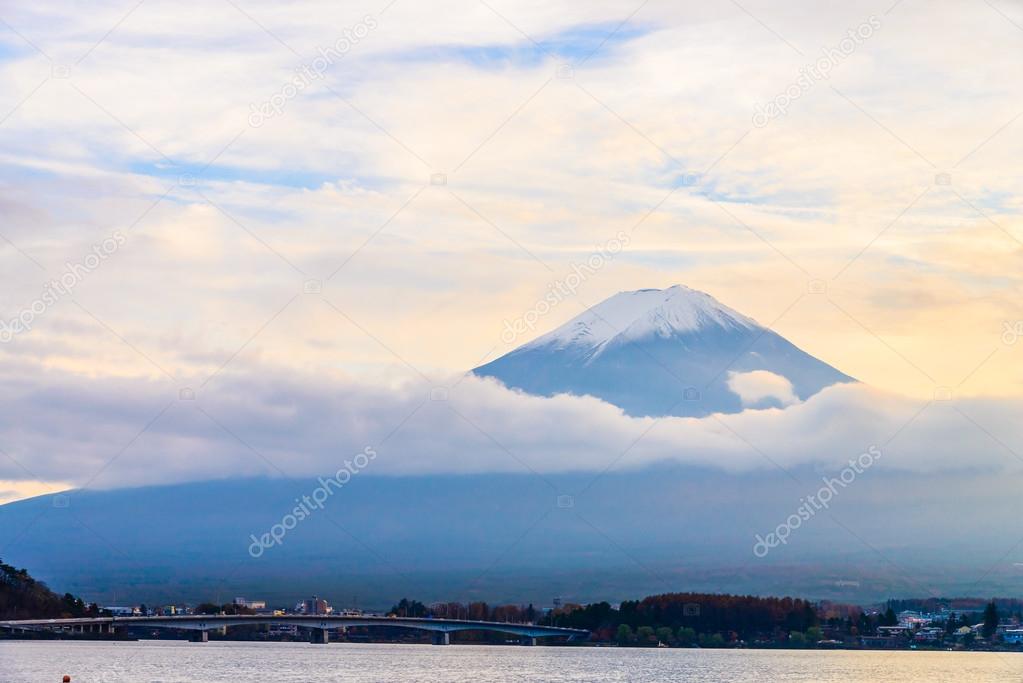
(441,638)
(321,636)
(199,636)
(527,640)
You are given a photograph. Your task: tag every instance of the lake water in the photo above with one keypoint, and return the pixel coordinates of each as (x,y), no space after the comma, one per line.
(236,662)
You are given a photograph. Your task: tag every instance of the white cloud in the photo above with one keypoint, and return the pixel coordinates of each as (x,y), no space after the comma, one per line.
(279,424)
(762,388)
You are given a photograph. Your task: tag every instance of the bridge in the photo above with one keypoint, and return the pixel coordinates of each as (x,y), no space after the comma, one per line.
(201,624)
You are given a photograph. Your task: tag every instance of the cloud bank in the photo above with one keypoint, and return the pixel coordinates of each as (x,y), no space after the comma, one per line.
(111,433)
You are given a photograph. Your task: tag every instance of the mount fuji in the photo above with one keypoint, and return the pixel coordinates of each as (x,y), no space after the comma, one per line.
(436,536)
(674,351)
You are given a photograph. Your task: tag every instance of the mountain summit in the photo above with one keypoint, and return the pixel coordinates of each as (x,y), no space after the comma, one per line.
(674,351)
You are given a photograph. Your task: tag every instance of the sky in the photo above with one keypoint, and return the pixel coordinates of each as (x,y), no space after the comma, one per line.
(279,233)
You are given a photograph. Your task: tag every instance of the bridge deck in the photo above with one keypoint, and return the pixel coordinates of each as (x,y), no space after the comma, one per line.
(199,622)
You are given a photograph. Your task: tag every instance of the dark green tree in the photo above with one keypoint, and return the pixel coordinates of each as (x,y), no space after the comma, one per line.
(22,597)
(414,608)
(990,620)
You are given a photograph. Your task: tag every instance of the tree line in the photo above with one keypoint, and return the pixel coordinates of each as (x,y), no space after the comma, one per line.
(673,618)
(691,619)
(22,597)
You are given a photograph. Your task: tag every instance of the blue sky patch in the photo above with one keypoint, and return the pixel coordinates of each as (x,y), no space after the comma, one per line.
(572,45)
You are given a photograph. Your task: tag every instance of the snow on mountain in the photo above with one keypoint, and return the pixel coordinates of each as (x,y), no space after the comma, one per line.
(631,316)
(674,351)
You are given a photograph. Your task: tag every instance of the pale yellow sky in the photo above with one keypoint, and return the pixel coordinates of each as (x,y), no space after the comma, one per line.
(387,215)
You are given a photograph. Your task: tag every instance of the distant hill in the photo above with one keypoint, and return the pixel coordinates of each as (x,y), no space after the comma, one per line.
(508,538)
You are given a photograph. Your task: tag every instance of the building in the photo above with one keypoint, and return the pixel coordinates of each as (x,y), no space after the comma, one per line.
(888,637)
(315,605)
(1013,636)
(914,619)
(895,631)
(123,611)
(929,634)
(250,604)
(173,610)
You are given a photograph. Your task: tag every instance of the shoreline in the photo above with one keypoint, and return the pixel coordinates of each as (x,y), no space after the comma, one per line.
(574,646)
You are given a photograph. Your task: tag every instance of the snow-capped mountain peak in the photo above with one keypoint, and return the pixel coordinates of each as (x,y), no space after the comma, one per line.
(673,351)
(635,315)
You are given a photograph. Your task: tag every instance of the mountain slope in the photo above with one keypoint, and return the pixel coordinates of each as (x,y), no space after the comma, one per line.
(502,538)
(660,352)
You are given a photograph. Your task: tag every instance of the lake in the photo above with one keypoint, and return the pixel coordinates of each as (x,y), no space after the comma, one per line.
(246,662)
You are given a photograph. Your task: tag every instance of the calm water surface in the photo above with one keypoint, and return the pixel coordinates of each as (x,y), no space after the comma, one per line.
(180,662)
